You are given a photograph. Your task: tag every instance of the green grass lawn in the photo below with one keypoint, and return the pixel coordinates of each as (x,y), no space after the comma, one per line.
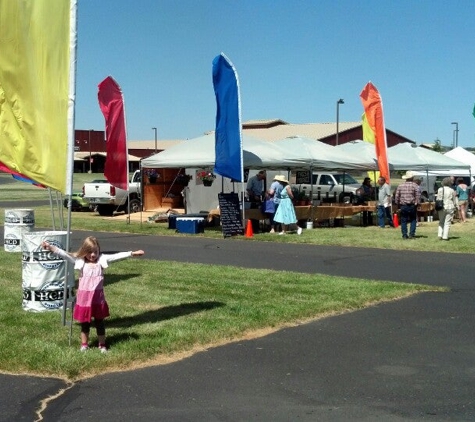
(163,310)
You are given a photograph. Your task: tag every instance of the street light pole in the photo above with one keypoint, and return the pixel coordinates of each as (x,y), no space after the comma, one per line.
(340,101)
(456,134)
(155,129)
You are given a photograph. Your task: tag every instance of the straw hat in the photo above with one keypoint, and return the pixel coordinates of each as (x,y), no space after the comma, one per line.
(281,178)
(409,175)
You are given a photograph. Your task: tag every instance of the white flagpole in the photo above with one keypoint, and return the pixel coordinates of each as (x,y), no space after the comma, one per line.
(71,136)
(126,157)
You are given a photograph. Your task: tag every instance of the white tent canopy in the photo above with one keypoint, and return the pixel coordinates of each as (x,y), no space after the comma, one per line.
(407,157)
(464,156)
(321,156)
(200,152)
(362,150)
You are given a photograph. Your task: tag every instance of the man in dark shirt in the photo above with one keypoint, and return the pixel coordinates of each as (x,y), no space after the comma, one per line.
(408,196)
(255,187)
(365,194)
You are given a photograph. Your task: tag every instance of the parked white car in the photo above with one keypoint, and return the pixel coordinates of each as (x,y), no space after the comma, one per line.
(339,186)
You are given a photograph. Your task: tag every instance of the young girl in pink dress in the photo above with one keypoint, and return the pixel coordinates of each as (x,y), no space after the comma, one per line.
(90,299)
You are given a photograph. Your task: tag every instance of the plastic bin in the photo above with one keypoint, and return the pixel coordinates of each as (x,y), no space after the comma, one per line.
(191,225)
(17,223)
(44,273)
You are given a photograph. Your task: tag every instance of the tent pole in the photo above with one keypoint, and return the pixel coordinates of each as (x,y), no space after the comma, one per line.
(375,182)
(470,189)
(243,204)
(142,190)
(311,193)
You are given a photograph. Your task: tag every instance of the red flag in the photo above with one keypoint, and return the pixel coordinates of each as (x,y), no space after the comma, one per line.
(373,107)
(19,176)
(111,103)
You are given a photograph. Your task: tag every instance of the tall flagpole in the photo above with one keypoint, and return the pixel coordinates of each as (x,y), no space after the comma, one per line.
(71,126)
(127,161)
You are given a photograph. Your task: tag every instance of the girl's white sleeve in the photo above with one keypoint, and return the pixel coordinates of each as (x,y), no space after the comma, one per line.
(64,255)
(104,259)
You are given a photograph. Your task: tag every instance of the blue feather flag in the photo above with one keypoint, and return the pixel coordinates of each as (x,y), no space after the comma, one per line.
(228,134)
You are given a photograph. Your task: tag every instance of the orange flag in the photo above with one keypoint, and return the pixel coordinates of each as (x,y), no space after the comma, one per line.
(373,107)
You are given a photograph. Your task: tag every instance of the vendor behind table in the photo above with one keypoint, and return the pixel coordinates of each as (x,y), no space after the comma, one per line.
(255,188)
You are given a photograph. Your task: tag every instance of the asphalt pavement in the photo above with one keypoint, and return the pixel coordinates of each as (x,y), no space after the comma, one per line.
(407,360)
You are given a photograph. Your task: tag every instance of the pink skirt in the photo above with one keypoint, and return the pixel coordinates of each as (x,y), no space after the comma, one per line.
(90,304)
(96,311)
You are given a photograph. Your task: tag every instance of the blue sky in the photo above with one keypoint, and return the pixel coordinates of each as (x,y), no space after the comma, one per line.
(294,59)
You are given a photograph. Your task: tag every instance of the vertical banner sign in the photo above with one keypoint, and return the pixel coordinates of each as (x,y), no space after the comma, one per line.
(111,103)
(35,43)
(373,107)
(228,134)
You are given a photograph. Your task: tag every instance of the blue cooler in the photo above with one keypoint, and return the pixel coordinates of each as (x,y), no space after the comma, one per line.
(172,218)
(192,225)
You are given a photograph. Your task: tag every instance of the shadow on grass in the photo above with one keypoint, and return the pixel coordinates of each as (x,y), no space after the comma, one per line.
(163,314)
(121,338)
(115,278)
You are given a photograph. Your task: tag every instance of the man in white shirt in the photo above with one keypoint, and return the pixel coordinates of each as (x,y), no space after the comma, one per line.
(384,204)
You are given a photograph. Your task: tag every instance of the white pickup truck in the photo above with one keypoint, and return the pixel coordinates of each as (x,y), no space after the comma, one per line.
(339,186)
(106,198)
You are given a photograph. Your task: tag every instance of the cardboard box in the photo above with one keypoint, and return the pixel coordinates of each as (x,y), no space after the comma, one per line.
(192,225)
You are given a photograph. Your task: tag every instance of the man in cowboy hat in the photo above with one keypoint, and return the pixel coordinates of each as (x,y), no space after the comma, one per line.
(408,196)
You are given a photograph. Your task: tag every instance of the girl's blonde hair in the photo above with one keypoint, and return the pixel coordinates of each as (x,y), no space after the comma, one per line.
(90,244)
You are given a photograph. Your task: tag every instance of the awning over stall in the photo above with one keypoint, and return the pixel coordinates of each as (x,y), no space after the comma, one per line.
(407,157)
(320,156)
(200,152)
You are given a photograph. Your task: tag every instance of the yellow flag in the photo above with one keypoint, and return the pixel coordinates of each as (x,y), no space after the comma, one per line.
(368,133)
(374,176)
(34,88)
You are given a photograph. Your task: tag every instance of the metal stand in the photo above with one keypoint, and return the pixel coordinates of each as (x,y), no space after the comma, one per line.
(70,302)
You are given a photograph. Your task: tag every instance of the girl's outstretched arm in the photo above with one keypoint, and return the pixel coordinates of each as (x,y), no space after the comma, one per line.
(63,254)
(119,256)
(47,246)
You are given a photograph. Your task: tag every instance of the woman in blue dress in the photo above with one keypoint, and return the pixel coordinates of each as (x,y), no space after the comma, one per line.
(462,192)
(285,213)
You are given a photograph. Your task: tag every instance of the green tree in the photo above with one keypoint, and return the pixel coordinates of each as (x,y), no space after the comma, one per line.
(437,146)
